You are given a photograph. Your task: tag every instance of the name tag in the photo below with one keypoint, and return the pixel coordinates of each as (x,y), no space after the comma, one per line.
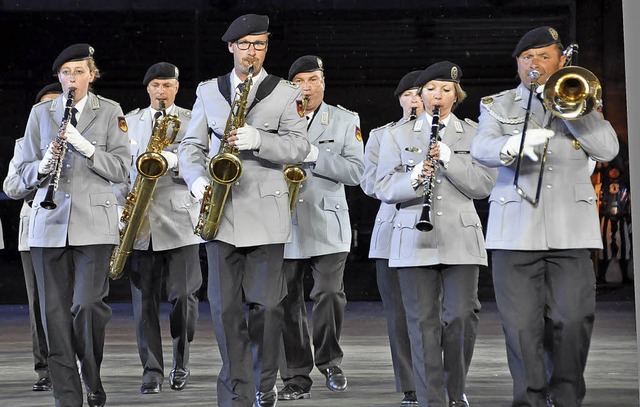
(325,141)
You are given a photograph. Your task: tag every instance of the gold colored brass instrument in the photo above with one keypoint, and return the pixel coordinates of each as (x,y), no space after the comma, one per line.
(151,165)
(294,174)
(225,167)
(570,93)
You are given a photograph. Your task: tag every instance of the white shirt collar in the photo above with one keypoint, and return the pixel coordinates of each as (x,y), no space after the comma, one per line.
(79,106)
(235,80)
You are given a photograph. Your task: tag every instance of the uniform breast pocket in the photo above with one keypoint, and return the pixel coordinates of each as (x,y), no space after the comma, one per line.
(185,204)
(336,214)
(403,240)
(472,229)
(412,156)
(382,229)
(104,212)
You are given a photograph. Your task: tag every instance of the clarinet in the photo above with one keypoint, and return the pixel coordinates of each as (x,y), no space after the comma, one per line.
(47,202)
(425,224)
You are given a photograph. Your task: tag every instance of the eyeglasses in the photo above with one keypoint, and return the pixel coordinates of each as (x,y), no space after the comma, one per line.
(257,45)
(76,73)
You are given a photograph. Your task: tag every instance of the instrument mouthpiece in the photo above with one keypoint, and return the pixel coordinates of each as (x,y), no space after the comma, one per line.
(534,74)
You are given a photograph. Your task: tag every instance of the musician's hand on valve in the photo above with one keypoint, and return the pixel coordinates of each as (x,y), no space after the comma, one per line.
(77,140)
(533,138)
(172,159)
(246,138)
(48,162)
(198,187)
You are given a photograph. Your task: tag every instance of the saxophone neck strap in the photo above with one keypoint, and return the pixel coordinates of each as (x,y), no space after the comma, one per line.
(264,89)
(224,86)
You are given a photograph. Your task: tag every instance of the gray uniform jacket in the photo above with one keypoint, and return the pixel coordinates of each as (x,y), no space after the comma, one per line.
(14,188)
(86,212)
(457,234)
(380,244)
(566,216)
(321,223)
(257,209)
(173,211)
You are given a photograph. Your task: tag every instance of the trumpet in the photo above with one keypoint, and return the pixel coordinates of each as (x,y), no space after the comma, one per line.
(47,202)
(225,167)
(570,93)
(151,165)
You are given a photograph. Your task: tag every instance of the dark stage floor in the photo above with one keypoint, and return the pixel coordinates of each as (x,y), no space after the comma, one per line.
(612,371)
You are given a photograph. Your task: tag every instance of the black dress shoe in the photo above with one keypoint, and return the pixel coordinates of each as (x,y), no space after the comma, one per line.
(336,380)
(150,388)
(267,399)
(410,399)
(293,392)
(97,398)
(43,384)
(178,378)
(459,403)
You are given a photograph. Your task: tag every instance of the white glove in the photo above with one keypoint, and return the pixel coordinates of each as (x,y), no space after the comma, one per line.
(445,152)
(48,163)
(120,212)
(198,187)
(313,155)
(172,159)
(533,138)
(416,174)
(77,140)
(248,138)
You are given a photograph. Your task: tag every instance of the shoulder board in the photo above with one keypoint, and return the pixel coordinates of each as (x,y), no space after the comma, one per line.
(134,111)
(488,100)
(43,102)
(347,110)
(104,99)
(207,81)
(289,83)
(383,126)
(471,123)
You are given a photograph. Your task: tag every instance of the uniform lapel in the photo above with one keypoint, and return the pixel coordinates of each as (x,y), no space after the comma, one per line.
(453,131)
(88,113)
(318,125)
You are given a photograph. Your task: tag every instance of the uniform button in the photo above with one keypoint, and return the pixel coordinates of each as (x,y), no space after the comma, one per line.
(188,205)
(300,200)
(68,181)
(438,181)
(175,150)
(399,225)
(337,206)
(590,199)
(410,161)
(94,142)
(68,165)
(328,149)
(439,213)
(550,168)
(549,152)
(378,220)
(67,195)
(478,224)
(549,186)
(266,125)
(237,182)
(277,192)
(502,199)
(439,197)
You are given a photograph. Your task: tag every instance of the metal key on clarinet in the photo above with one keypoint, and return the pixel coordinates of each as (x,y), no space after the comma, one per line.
(425,224)
(47,202)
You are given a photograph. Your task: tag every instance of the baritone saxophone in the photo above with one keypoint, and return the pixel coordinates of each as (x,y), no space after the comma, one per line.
(151,165)
(225,167)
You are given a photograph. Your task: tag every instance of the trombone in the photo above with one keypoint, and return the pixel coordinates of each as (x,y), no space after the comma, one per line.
(570,93)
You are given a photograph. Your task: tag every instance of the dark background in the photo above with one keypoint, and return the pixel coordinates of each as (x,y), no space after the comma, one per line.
(367,46)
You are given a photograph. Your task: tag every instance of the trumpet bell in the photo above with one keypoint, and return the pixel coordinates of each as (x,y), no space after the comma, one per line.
(572,92)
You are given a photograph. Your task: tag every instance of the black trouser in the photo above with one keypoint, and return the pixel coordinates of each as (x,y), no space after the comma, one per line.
(72,283)
(38,336)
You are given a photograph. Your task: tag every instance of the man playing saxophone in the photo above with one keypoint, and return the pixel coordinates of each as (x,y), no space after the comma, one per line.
(71,244)
(321,237)
(245,257)
(437,269)
(165,245)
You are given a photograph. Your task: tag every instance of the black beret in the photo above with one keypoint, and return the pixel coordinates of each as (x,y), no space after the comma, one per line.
(50,88)
(248,24)
(307,63)
(537,38)
(407,82)
(76,52)
(441,71)
(161,70)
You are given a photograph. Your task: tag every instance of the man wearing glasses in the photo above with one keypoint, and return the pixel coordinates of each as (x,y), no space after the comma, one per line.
(245,256)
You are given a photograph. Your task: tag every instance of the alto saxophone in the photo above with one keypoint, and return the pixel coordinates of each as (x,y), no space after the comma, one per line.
(225,167)
(294,174)
(151,165)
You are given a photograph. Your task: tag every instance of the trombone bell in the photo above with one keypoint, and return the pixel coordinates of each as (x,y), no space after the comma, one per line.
(572,92)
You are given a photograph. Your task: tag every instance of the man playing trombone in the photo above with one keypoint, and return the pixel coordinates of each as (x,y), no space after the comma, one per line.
(542,271)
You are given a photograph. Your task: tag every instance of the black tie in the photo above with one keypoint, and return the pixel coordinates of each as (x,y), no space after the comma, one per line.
(440,127)
(74,121)
(155,117)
